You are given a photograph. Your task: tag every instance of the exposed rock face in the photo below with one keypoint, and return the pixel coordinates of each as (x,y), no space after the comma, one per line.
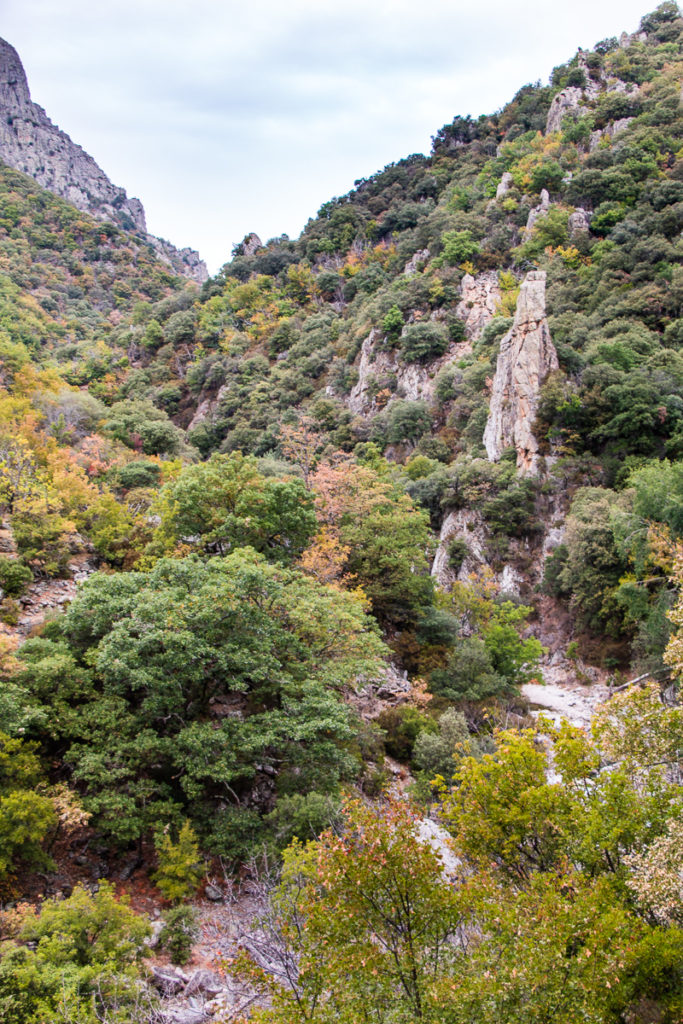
(186,262)
(609,132)
(566,102)
(249,245)
(573,99)
(480,298)
(479,303)
(578,221)
(411,267)
(32,144)
(538,211)
(467,524)
(504,185)
(527,356)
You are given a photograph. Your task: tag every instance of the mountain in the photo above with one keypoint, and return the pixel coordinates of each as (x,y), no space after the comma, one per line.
(341,519)
(31,143)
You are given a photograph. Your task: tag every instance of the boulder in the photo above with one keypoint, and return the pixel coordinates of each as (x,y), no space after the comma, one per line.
(411,267)
(205,983)
(538,211)
(168,980)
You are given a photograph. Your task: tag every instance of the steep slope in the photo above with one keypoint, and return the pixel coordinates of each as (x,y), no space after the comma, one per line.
(31,143)
(352,498)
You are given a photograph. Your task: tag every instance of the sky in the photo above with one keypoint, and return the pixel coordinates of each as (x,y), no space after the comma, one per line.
(226,117)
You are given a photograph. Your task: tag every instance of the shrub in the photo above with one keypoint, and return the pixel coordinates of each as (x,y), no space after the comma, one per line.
(402,726)
(179,933)
(407,421)
(179,870)
(458,246)
(392,323)
(14,575)
(423,341)
(457,553)
(139,473)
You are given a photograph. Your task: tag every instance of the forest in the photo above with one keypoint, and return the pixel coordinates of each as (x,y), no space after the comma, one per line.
(277,585)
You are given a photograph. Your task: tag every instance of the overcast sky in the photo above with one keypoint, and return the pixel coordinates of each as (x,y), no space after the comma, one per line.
(226,117)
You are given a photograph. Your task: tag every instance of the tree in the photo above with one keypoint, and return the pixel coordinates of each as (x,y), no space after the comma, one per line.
(458,247)
(423,341)
(200,687)
(84,964)
(562,949)
(373,535)
(179,868)
(25,816)
(226,503)
(366,924)
(503,810)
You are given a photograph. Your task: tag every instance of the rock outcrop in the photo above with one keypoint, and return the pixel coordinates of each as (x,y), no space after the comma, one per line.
(413,264)
(479,303)
(480,297)
(32,144)
(527,356)
(579,221)
(577,100)
(249,245)
(538,211)
(568,101)
(504,185)
(609,132)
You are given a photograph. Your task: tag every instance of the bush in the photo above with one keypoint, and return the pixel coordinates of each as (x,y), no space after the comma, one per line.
(301,816)
(423,341)
(179,933)
(439,753)
(402,726)
(392,323)
(457,553)
(14,576)
(458,246)
(180,869)
(407,421)
(139,473)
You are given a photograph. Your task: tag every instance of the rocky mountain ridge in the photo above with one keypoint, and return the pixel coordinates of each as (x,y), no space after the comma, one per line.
(31,143)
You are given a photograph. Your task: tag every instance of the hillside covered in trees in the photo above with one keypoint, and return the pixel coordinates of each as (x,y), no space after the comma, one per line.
(285,554)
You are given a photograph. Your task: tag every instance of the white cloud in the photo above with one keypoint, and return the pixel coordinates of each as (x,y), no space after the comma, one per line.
(225,118)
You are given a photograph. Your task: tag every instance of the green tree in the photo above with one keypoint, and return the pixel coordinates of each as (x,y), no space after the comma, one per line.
(423,341)
(179,867)
(367,922)
(202,685)
(458,247)
(25,816)
(388,555)
(226,503)
(84,964)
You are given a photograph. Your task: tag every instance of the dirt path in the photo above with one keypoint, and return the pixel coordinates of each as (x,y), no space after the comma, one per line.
(575,704)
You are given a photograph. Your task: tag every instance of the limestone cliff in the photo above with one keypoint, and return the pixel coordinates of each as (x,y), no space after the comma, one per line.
(31,143)
(480,298)
(527,356)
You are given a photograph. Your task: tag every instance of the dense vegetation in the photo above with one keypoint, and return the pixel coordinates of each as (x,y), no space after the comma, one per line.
(256,485)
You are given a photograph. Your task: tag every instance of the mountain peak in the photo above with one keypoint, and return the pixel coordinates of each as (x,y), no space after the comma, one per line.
(14,91)
(31,143)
